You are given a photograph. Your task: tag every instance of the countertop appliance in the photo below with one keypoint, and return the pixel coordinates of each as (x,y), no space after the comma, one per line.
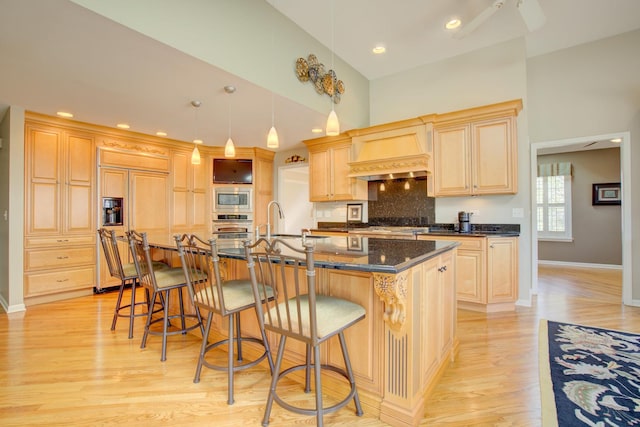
(464,223)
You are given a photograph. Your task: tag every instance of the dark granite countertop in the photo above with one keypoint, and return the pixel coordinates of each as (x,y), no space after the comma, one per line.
(364,253)
(477,230)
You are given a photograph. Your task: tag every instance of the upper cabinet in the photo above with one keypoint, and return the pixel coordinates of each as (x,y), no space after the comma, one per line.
(329,181)
(475,151)
(190,187)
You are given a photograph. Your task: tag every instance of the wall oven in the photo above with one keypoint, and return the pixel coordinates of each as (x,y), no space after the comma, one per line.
(232,200)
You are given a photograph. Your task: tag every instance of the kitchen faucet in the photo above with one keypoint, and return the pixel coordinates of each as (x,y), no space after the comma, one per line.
(280,214)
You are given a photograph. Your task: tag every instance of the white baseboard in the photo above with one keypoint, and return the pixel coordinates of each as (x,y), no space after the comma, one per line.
(13,308)
(579,264)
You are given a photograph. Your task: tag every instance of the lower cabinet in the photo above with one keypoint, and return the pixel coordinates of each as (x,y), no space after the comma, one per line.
(486,272)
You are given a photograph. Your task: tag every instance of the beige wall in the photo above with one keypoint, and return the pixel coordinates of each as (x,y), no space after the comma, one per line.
(597,230)
(12,200)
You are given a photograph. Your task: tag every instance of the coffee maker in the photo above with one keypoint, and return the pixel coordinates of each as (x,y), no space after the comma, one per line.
(464,225)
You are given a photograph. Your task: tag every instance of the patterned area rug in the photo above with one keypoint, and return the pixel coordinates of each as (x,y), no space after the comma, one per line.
(588,376)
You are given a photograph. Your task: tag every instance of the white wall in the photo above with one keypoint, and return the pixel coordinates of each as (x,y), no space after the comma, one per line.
(236,36)
(488,76)
(592,89)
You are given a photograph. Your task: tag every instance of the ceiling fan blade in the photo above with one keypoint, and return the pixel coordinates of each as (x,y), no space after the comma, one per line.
(478,20)
(531,13)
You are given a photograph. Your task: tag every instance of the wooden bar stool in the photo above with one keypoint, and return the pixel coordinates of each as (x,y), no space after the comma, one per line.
(299,313)
(228,299)
(160,283)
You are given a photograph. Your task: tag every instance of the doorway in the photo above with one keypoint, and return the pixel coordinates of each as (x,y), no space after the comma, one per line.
(625,180)
(293,196)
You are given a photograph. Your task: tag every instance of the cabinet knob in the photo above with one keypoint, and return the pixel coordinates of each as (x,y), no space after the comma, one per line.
(62,257)
(491,246)
(63,280)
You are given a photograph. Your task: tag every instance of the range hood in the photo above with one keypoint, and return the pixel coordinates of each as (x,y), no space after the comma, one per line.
(392,154)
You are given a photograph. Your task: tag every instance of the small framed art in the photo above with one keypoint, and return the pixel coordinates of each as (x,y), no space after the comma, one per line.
(354,212)
(606,194)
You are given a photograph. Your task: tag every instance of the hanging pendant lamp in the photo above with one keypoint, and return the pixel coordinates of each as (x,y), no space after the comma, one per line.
(333,125)
(272,137)
(229,148)
(195,154)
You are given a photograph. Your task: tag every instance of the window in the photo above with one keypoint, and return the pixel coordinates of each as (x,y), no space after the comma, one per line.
(554,207)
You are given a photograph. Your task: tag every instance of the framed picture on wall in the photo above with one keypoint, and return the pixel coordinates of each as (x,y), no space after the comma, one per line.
(354,212)
(606,194)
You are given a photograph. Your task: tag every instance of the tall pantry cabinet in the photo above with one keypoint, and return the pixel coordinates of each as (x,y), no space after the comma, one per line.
(60,232)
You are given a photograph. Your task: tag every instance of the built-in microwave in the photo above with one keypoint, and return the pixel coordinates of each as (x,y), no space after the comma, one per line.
(232,199)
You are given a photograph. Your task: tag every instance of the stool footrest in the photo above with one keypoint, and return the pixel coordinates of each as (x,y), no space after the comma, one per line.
(327,409)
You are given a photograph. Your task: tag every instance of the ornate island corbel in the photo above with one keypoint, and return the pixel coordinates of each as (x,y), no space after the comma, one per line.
(392,290)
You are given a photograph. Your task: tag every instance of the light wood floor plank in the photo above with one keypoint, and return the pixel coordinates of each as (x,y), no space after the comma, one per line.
(61,365)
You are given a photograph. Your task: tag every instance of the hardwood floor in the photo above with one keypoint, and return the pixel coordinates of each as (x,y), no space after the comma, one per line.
(61,365)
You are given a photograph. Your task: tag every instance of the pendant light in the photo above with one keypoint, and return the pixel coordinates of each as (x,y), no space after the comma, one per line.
(333,125)
(229,148)
(195,154)
(272,137)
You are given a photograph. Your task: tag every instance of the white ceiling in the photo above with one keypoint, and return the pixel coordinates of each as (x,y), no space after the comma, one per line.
(57,55)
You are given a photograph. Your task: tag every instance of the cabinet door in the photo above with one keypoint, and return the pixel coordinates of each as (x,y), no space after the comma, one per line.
(319,172)
(180,168)
(148,197)
(470,283)
(452,175)
(263,189)
(79,213)
(502,269)
(342,184)
(494,157)
(43,174)
(448,266)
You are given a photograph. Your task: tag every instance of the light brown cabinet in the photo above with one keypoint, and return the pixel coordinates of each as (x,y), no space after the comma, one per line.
(190,211)
(486,272)
(263,184)
(475,151)
(59,212)
(329,171)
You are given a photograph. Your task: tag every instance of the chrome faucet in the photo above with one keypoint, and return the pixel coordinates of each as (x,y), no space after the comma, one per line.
(280,214)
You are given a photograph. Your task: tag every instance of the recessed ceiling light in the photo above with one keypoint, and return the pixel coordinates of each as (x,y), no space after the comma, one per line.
(161,133)
(123,126)
(452,24)
(316,130)
(379,49)
(616,140)
(64,114)
(197,141)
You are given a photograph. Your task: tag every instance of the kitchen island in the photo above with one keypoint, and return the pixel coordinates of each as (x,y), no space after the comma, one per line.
(408,336)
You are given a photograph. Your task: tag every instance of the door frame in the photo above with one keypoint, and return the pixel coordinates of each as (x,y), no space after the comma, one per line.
(625,176)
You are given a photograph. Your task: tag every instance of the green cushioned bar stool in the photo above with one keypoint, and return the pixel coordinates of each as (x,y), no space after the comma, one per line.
(228,299)
(301,314)
(160,284)
(127,275)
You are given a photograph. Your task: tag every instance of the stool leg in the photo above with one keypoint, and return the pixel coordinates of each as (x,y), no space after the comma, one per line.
(132,312)
(347,364)
(274,381)
(318,381)
(203,348)
(230,361)
(238,336)
(307,370)
(147,325)
(165,326)
(118,302)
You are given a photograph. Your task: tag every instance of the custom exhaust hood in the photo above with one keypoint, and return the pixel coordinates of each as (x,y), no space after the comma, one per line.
(391,154)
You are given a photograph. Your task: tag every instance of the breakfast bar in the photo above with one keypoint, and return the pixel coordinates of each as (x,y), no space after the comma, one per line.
(408,336)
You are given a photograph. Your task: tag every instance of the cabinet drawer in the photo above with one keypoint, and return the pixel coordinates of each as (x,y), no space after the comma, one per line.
(59,281)
(59,258)
(87,239)
(468,243)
